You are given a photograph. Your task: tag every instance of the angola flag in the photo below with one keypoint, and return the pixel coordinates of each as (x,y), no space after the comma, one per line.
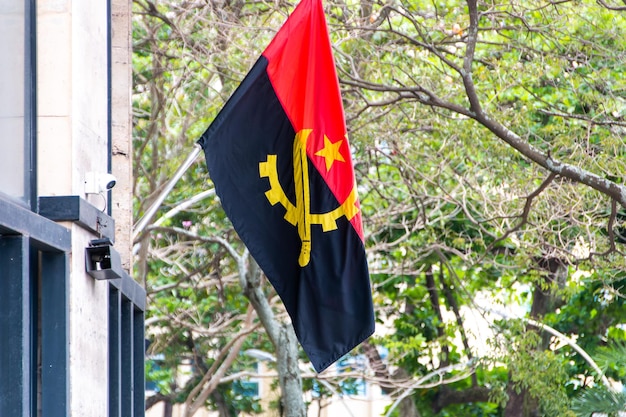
(279,157)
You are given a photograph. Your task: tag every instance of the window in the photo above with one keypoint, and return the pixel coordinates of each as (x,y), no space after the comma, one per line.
(16,102)
(248,388)
(352,386)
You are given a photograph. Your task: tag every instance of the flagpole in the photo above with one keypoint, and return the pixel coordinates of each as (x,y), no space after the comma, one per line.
(177,209)
(149,214)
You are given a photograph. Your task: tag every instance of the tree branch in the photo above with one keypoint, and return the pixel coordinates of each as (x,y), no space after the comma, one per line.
(438,375)
(195,236)
(199,394)
(454,305)
(610,232)
(609,188)
(608,6)
(434,301)
(526,210)
(563,338)
(466,74)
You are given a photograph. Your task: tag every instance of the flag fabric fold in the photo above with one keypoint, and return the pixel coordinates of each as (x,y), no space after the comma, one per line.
(279,157)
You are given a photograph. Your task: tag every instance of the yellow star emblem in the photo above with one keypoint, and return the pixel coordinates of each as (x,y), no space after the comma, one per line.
(330,152)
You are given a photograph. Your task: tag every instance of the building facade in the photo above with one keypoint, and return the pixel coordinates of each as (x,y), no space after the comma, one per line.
(71,316)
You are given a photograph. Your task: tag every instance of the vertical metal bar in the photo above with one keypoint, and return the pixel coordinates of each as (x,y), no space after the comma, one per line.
(115,352)
(139,354)
(127,358)
(109,104)
(15,331)
(54,334)
(35,315)
(30,100)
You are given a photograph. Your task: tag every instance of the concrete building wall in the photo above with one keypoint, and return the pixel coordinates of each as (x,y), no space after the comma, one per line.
(11,98)
(73,129)
(121,127)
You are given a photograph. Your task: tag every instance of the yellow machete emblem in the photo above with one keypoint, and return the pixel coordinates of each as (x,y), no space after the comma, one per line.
(299,214)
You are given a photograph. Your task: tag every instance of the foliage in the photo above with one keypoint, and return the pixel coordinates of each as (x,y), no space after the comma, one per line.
(599,400)
(489,147)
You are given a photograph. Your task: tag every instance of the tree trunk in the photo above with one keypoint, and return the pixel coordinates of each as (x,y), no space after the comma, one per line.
(282,337)
(222,406)
(433,294)
(522,404)
(289,373)
(168,409)
(407,406)
(515,405)
(446,397)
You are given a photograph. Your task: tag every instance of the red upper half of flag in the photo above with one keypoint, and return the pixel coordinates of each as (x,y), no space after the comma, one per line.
(302,72)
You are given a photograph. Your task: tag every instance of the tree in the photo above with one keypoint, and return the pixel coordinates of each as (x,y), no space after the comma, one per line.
(489,149)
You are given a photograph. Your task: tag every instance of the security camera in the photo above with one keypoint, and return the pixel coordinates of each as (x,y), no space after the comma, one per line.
(98,182)
(109,181)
